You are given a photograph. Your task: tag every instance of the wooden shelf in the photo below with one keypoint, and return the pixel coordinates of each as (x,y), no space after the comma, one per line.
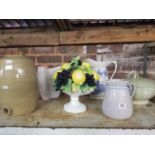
(51,115)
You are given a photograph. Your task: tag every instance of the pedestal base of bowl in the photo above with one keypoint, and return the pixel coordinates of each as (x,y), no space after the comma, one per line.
(75,106)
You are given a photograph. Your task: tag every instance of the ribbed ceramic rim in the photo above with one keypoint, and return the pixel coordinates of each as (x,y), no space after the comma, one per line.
(145,87)
(115,82)
(116,87)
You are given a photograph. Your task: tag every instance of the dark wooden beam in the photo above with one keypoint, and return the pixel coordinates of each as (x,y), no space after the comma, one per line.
(5,23)
(48,22)
(32,23)
(14,23)
(63,24)
(40,22)
(27,22)
(21,22)
(68,24)
(60,25)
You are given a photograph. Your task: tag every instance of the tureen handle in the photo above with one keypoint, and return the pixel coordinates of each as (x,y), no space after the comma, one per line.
(131,89)
(133,74)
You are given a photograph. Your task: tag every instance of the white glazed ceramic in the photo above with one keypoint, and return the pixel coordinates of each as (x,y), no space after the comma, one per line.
(46,89)
(145,88)
(101,68)
(74,105)
(117,101)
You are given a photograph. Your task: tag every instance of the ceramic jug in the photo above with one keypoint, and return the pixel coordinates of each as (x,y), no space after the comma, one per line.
(46,89)
(117,101)
(101,69)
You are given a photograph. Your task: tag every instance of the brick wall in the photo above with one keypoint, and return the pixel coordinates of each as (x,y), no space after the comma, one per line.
(49,56)
(128,56)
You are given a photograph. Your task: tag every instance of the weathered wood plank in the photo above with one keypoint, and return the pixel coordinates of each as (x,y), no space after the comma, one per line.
(29,39)
(109,35)
(51,114)
(24,37)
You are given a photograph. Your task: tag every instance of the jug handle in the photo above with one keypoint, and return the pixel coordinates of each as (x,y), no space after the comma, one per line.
(115,63)
(131,89)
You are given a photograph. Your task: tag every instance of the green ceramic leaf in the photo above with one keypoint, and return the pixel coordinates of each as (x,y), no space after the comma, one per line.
(67,88)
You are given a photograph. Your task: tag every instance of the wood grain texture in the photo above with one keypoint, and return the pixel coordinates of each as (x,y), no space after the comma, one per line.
(109,35)
(29,39)
(113,34)
(51,114)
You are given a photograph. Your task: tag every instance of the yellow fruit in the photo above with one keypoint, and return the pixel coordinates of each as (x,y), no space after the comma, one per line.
(96,76)
(78,77)
(54,77)
(66,66)
(86,65)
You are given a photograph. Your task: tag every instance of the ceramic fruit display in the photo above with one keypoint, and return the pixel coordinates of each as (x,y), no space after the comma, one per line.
(18,91)
(145,88)
(75,78)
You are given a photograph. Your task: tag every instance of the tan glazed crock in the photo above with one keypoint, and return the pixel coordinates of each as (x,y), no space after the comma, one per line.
(18,85)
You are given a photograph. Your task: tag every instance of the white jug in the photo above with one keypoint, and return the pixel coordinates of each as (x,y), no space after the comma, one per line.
(117,101)
(101,68)
(46,89)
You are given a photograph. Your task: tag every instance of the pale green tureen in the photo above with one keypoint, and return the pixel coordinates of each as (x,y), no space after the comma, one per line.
(144,88)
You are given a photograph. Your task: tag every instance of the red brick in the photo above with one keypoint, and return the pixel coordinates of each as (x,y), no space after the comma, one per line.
(67,58)
(42,50)
(138,66)
(91,49)
(151,75)
(13,51)
(110,67)
(70,49)
(132,48)
(129,59)
(116,47)
(3,51)
(92,56)
(120,75)
(49,59)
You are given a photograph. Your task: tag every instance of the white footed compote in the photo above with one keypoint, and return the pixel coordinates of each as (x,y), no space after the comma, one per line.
(75,106)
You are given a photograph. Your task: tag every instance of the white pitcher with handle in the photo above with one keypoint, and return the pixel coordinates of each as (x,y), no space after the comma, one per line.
(117,103)
(101,68)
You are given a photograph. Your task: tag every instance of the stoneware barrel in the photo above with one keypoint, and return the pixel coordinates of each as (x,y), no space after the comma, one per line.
(18,85)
